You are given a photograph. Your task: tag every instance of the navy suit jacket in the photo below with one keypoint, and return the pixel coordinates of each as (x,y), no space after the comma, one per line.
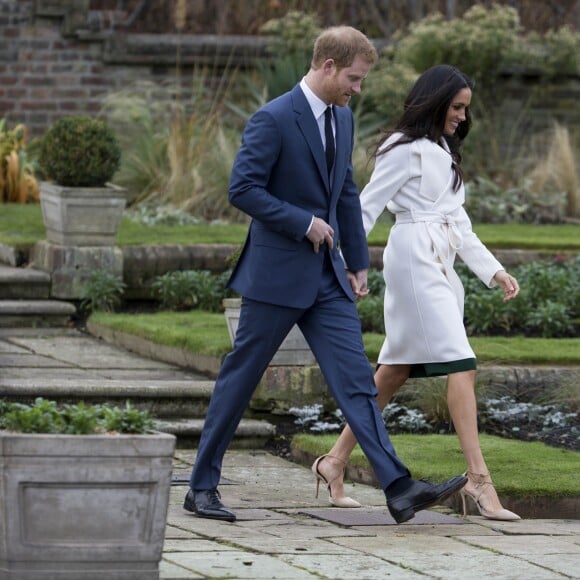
(280,179)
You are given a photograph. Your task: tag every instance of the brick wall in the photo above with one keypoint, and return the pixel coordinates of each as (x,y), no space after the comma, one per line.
(44,76)
(52,64)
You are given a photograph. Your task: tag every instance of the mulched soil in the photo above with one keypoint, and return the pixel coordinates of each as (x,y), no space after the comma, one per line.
(562,437)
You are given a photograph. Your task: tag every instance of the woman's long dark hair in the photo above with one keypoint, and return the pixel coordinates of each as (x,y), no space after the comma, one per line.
(425,110)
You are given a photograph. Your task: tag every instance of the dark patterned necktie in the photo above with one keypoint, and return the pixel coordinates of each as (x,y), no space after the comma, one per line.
(330,149)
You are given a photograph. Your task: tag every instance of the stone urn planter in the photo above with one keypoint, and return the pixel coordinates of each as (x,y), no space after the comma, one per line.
(294,351)
(83,506)
(82,216)
(82,211)
(79,155)
(84,492)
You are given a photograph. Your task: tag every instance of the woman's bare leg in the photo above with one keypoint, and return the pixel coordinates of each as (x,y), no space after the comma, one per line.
(462,405)
(388,379)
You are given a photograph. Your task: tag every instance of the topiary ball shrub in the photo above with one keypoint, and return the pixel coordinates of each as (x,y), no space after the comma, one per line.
(80,151)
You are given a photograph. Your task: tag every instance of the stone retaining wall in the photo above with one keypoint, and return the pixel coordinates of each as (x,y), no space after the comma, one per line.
(142,264)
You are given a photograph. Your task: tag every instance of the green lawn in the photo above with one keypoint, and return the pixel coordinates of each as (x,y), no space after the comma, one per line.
(518,467)
(21,226)
(207,333)
(565,237)
(506,350)
(195,331)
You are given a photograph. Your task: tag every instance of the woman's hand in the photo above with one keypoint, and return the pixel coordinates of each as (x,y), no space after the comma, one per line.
(358,282)
(508,284)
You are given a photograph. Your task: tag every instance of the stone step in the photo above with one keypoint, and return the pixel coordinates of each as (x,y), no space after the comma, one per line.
(13,256)
(250,434)
(23,283)
(35,313)
(167,399)
(178,407)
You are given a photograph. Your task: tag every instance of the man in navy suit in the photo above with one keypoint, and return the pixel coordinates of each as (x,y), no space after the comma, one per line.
(304,262)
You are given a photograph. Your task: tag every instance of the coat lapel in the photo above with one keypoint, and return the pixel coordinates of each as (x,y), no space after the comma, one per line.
(342,148)
(309,128)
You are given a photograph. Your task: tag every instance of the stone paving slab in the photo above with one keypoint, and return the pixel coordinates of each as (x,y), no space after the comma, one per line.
(566,564)
(355,566)
(291,545)
(37,375)
(194,545)
(238,565)
(149,374)
(476,566)
(306,528)
(449,558)
(86,387)
(256,518)
(274,537)
(173,533)
(533,527)
(9,347)
(444,530)
(378,517)
(524,544)
(11,332)
(169,571)
(42,373)
(27,360)
(87,352)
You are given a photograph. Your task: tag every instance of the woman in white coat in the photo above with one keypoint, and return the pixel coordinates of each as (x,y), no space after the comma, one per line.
(418,178)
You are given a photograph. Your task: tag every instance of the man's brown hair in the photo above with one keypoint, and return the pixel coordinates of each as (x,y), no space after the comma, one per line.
(342,44)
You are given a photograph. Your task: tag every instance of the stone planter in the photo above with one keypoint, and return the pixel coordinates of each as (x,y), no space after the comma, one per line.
(294,351)
(83,507)
(82,216)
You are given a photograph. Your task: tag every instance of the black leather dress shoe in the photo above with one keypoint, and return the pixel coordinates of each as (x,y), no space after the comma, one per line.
(420,495)
(207,504)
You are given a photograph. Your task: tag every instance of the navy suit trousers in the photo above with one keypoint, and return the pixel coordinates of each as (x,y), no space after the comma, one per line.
(332,328)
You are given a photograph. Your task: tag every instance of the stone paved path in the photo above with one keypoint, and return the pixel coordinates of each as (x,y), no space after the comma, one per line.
(274,537)
(282,530)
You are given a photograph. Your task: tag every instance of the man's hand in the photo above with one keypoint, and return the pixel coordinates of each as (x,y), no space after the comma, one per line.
(358,282)
(320,233)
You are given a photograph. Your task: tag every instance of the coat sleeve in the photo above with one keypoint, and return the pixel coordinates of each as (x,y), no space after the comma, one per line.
(474,253)
(353,243)
(391,172)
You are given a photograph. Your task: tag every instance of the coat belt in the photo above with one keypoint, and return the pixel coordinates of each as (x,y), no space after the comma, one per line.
(444,254)
(454,236)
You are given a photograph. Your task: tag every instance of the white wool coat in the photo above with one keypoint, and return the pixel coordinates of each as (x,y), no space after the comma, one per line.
(424,295)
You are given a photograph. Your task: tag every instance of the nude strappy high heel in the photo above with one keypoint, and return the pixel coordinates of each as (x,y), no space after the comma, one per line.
(341,502)
(482,482)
